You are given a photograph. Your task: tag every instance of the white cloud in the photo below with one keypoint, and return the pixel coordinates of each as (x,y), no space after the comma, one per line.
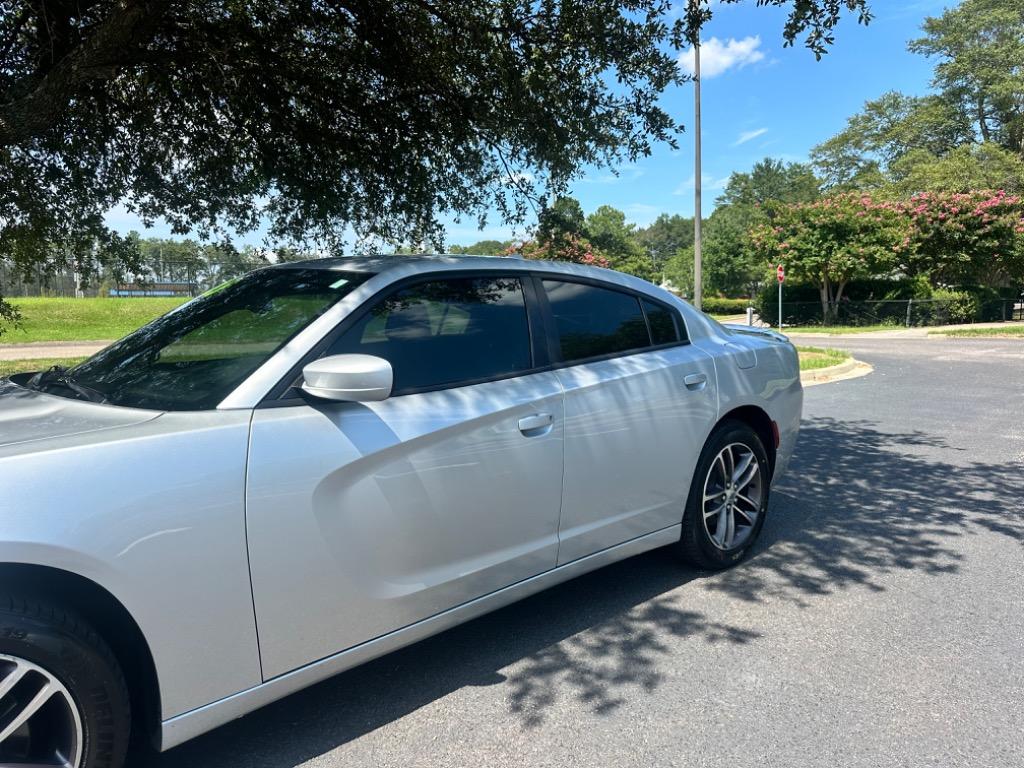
(707,182)
(717,56)
(746,136)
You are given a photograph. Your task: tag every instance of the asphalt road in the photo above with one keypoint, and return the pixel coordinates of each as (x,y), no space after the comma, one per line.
(880,623)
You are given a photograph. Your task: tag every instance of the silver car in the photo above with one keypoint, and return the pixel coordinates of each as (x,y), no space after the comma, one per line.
(318,463)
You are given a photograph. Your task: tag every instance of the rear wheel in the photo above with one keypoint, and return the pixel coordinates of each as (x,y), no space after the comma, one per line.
(63,698)
(728,498)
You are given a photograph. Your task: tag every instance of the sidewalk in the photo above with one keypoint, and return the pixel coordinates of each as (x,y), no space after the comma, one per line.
(51,349)
(917,332)
(923,332)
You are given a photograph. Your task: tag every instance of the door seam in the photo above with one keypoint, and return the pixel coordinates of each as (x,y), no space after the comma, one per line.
(561,490)
(248,552)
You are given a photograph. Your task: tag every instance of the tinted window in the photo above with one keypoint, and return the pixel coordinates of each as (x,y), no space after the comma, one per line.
(662,323)
(193,357)
(446,331)
(594,321)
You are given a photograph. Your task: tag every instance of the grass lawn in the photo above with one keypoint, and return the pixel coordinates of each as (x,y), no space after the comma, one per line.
(813,358)
(7,367)
(1006,331)
(82,319)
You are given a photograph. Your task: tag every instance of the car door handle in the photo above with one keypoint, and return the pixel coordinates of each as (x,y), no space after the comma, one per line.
(537,424)
(695,381)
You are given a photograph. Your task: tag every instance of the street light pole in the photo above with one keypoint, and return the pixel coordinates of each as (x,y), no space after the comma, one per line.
(698,278)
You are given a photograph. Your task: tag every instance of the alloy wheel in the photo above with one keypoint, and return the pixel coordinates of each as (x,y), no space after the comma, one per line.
(733,496)
(39,721)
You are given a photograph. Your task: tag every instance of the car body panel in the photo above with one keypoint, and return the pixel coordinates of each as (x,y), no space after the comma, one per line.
(772,385)
(154,514)
(397,510)
(180,729)
(629,448)
(28,416)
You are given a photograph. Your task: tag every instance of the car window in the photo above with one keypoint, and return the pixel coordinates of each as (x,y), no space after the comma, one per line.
(443,332)
(193,357)
(662,322)
(592,321)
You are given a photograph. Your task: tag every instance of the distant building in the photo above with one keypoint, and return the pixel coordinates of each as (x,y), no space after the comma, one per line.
(154,288)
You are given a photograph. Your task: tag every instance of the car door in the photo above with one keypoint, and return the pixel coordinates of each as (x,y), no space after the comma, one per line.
(639,402)
(364,518)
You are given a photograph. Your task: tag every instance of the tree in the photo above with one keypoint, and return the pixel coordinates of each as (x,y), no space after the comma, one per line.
(563,218)
(832,241)
(769,181)
(980,46)
(482,248)
(864,155)
(616,239)
(665,236)
(731,267)
(966,168)
(976,113)
(967,239)
(571,248)
(323,118)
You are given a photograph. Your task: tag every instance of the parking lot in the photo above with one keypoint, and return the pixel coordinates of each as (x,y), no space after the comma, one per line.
(879,622)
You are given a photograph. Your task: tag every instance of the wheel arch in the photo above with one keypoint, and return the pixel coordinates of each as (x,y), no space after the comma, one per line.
(757,419)
(110,619)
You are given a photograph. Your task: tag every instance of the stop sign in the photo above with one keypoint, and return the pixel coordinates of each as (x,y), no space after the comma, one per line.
(781,274)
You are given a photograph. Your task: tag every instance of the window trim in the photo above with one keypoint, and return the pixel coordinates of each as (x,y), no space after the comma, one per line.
(554,342)
(278,396)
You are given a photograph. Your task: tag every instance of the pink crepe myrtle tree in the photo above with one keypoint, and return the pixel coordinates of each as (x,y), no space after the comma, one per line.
(572,248)
(972,238)
(834,240)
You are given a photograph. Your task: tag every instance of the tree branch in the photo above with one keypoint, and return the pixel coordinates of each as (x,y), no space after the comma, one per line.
(129,24)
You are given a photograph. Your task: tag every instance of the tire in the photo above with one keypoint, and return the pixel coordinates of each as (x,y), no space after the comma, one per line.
(713,549)
(52,652)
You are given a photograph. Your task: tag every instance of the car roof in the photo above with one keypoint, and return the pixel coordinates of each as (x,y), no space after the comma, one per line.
(402,265)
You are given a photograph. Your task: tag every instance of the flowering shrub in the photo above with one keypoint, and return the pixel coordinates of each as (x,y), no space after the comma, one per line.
(975,237)
(566,248)
(948,239)
(834,240)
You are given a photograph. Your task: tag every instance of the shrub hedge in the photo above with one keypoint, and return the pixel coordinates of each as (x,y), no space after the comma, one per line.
(716,306)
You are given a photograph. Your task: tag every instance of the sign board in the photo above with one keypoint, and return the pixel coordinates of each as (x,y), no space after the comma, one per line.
(780,273)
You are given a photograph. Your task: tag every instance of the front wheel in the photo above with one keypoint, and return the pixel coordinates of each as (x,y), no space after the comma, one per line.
(728,498)
(63,699)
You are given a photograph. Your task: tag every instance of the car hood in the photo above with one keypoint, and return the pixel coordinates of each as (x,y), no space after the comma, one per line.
(28,416)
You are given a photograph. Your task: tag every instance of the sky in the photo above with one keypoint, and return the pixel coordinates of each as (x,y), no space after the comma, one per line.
(759,100)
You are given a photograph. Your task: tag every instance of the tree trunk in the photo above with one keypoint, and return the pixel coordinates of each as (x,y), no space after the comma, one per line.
(824,289)
(836,300)
(982,122)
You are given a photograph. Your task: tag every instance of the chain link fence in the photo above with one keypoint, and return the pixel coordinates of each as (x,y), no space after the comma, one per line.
(908,313)
(160,279)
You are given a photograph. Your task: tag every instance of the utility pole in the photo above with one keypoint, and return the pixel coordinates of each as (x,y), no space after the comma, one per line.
(698,278)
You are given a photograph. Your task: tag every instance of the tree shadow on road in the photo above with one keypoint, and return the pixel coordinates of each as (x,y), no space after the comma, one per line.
(859,503)
(597,638)
(856,505)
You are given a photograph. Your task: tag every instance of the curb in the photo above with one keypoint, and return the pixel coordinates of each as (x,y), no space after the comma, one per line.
(848,369)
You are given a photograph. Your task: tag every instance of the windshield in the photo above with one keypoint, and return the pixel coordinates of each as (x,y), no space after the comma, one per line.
(196,355)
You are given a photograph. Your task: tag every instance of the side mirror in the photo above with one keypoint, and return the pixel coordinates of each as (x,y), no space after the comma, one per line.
(349,378)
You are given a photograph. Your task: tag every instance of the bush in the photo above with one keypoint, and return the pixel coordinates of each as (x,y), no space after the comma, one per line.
(716,306)
(949,306)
